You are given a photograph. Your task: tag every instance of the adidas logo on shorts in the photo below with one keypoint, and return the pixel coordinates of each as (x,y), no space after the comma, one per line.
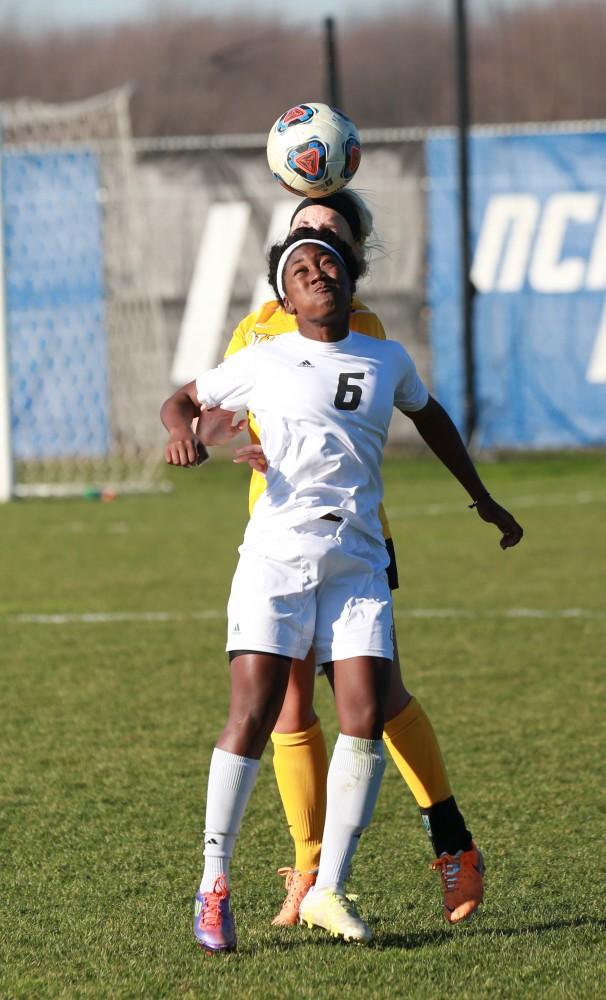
(305,364)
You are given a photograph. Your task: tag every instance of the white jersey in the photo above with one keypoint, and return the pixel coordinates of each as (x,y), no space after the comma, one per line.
(324,411)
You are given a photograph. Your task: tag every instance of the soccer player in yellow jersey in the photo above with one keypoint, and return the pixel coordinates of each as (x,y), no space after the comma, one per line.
(300,758)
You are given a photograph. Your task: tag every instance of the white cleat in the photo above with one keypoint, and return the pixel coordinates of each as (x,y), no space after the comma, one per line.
(336,913)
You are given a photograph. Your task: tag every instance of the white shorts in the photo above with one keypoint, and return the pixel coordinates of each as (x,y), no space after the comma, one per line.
(322,584)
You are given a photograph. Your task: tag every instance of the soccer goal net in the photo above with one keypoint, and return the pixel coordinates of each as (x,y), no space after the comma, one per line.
(83,362)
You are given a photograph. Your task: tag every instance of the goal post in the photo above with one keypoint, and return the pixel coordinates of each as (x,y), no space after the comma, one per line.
(6,462)
(83,356)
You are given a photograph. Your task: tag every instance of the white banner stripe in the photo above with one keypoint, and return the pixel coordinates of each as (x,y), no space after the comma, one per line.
(208,298)
(596,371)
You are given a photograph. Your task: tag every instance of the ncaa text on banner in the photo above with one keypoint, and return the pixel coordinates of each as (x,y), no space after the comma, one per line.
(524,240)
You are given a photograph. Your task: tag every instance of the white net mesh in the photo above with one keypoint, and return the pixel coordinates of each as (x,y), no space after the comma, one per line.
(86,353)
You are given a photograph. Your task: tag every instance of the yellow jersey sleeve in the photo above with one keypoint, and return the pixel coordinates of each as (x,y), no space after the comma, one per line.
(238,337)
(362,320)
(270,321)
(252,328)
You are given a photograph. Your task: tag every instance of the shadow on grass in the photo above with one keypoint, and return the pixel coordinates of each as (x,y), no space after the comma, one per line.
(422,939)
(414,940)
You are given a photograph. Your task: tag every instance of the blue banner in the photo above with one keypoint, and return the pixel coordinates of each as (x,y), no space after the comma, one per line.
(538,222)
(55,305)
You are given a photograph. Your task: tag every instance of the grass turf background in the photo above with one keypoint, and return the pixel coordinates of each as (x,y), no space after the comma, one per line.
(107,727)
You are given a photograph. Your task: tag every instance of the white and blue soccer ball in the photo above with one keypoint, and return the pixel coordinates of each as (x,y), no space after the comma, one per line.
(313,150)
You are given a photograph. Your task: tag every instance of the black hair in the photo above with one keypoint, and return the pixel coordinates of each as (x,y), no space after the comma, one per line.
(352,265)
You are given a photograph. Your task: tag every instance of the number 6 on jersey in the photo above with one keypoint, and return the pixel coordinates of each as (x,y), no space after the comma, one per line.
(348,396)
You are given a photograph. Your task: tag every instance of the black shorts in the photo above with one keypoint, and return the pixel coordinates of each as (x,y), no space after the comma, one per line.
(392,569)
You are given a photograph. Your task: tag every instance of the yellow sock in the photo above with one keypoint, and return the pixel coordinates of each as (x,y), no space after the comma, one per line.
(301,768)
(412,743)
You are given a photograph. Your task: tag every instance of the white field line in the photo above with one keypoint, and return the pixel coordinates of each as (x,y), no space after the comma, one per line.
(109,617)
(511,503)
(151,617)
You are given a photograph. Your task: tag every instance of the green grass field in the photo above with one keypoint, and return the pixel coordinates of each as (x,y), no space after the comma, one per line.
(114,687)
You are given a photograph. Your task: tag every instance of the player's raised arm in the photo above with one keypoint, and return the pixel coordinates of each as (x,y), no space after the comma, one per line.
(228,385)
(177,413)
(440,434)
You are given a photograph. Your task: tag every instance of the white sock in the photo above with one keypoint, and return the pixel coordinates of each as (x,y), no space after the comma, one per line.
(231,780)
(354,779)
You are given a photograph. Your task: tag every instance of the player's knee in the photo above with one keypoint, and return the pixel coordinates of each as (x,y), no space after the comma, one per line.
(364,721)
(249,726)
(396,701)
(295,717)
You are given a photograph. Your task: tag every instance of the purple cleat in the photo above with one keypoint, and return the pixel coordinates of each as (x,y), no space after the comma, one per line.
(214,926)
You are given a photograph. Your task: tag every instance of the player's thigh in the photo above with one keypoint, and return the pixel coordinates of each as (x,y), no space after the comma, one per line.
(398,696)
(298,713)
(258,684)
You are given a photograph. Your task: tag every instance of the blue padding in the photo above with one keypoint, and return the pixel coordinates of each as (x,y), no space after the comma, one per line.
(55,305)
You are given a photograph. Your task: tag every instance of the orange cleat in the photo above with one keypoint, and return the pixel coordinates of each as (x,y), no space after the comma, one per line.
(297,886)
(462,883)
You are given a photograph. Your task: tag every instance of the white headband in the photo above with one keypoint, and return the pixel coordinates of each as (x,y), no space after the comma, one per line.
(289,250)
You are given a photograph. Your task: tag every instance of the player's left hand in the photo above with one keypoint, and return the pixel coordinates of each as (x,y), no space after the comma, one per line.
(253,454)
(489,510)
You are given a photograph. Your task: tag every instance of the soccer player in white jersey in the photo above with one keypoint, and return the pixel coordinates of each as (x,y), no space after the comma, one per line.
(299,750)
(313,553)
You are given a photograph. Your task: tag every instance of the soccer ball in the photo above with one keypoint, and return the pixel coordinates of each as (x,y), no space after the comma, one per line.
(313,150)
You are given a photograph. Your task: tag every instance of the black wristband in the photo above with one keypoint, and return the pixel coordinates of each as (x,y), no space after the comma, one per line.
(479,500)
(203,458)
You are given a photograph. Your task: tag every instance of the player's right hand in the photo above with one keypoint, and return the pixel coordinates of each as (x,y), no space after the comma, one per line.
(216,426)
(186,450)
